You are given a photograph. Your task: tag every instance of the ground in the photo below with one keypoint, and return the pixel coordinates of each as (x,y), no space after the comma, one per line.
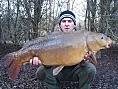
(106,77)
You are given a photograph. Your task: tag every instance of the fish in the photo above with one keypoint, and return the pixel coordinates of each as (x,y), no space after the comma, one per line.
(57,49)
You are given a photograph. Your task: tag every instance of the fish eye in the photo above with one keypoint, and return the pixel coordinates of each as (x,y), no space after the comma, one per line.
(102,37)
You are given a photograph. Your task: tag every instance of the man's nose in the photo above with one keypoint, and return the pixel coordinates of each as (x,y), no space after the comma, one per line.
(66,23)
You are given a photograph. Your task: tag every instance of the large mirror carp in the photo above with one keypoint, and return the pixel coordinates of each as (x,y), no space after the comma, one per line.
(58,49)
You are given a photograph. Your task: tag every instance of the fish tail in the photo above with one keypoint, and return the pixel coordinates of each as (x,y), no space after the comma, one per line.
(14,69)
(9,61)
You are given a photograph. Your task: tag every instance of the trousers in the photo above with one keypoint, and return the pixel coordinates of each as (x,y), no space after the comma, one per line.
(84,75)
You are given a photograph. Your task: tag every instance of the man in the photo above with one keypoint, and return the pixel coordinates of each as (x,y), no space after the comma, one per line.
(83,73)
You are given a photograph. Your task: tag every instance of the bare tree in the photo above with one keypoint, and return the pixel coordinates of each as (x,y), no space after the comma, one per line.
(0,23)
(90,15)
(36,14)
(104,12)
(0,31)
(8,17)
(23,20)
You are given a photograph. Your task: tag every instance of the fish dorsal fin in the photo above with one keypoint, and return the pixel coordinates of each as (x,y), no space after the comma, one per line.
(57,70)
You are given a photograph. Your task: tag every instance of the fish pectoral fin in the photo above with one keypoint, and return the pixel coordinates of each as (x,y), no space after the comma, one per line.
(57,70)
(93,59)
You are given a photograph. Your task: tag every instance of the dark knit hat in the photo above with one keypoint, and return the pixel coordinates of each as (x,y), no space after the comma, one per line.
(67,14)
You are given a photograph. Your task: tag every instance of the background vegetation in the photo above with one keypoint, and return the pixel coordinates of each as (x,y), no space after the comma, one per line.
(22,20)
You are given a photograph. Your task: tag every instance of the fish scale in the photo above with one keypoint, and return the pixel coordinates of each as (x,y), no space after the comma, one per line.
(56,49)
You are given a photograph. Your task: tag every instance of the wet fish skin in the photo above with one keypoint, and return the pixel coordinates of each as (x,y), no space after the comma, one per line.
(64,49)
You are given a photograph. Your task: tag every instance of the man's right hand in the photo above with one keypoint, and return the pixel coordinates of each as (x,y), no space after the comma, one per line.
(35,61)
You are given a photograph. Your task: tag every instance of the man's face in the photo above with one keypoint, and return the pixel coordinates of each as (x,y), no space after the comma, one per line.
(67,24)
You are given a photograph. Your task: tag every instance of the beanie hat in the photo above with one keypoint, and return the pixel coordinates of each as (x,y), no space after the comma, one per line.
(67,14)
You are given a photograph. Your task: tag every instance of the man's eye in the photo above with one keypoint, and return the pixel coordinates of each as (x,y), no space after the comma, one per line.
(69,21)
(63,21)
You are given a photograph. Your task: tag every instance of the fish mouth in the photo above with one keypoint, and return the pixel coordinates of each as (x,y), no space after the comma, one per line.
(109,43)
(107,46)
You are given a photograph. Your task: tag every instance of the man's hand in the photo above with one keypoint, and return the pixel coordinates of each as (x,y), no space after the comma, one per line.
(86,58)
(35,61)
(84,61)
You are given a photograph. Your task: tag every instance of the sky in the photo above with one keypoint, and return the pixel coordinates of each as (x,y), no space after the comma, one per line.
(79,9)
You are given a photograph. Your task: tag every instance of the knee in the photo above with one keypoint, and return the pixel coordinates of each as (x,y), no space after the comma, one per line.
(91,71)
(40,74)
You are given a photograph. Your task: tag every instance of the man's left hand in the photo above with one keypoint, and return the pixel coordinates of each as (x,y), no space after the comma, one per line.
(85,60)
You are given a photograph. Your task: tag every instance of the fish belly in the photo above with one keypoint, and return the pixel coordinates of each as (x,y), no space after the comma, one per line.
(62,56)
